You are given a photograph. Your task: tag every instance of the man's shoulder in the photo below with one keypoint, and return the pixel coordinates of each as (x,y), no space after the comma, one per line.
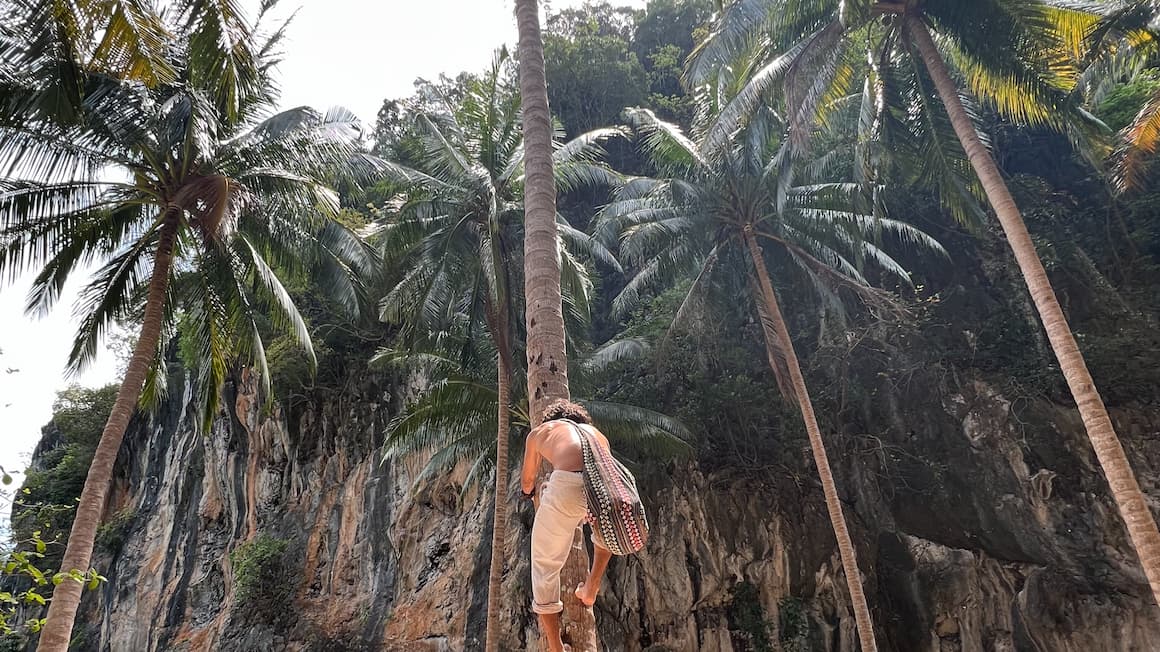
(590,429)
(557,423)
(546,427)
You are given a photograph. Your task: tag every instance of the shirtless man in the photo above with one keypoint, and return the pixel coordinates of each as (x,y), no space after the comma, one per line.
(563,507)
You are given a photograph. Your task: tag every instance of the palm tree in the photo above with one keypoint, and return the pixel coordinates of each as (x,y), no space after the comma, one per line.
(1123,43)
(457,230)
(547,342)
(547,355)
(191,201)
(1022,58)
(720,204)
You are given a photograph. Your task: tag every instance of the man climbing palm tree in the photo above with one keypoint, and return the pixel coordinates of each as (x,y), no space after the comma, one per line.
(563,507)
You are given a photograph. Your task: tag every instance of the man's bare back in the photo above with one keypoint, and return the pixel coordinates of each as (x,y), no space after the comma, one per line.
(559,444)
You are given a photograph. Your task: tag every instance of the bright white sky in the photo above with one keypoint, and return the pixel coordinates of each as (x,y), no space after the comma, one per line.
(357,53)
(351,53)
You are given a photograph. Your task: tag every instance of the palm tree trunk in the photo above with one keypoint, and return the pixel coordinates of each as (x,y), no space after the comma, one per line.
(1125,490)
(776,331)
(499,529)
(547,361)
(547,348)
(66,597)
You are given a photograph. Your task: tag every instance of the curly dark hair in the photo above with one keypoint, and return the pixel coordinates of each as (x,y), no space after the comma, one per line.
(564,409)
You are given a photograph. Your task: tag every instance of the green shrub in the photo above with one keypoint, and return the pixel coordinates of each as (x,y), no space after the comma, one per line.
(26,583)
(49,522)
(111,535)
(262,578)
(13,643)
(793,625)
(80,413)
(747,618)
(46,503)
(291,372)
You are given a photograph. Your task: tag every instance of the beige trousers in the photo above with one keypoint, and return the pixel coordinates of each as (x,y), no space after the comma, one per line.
(563,507)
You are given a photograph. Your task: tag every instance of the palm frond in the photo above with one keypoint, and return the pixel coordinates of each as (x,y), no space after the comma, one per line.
(1141,139)
(107,298)
(222,58)
(628,348)
(454,414)
(660,435)
(664,142)
(286,313)
(582,243)
(91,238)
(589,146)
(133,43)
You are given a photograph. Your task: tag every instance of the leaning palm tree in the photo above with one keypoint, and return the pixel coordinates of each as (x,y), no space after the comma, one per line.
(190,202)
(715,205)
(1021,58)
(457,229)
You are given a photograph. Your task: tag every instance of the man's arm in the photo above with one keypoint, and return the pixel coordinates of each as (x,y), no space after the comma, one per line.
(531,461)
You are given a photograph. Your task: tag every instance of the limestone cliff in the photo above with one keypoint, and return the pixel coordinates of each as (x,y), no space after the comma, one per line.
(1020,550)
(982,520)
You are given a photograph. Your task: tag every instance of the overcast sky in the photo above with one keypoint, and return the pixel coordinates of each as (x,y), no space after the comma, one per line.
(351,53)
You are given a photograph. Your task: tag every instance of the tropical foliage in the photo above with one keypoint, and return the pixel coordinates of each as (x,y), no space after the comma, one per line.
(706,216)
(189,194)
(450,423)
(1023,60)
(454,236)
(779,174)
(245,192)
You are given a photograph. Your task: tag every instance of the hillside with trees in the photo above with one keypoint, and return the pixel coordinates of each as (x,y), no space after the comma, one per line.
(864,293)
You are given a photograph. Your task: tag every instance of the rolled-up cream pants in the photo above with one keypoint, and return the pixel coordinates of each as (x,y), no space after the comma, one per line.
(563,508)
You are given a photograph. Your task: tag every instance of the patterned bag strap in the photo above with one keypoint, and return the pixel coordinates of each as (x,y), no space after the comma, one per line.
(585,439)
(589,462)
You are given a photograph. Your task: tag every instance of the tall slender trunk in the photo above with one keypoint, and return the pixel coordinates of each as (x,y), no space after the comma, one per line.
(1125,490)
(498,312)
(66,597)
(775,329)
(547,362)
(499,529)
(547,348)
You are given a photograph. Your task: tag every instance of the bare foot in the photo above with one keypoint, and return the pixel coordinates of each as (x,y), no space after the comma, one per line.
(586,596)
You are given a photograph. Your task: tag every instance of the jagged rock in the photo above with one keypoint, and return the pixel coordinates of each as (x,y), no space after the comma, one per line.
(994,533)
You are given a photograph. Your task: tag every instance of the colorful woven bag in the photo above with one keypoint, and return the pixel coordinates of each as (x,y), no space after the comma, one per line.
(615,511)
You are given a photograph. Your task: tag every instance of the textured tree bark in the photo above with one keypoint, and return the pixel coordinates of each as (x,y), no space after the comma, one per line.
(547,350)
(499,530)
(547,364)
(1125,490)
(776,330)
(66,598)
(500,326)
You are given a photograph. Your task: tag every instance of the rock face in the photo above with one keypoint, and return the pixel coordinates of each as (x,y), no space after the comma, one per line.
(982,520)
(981,525)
